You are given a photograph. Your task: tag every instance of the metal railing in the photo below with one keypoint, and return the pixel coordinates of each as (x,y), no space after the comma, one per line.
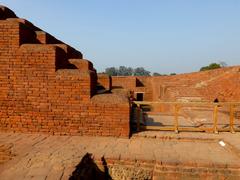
(231,106)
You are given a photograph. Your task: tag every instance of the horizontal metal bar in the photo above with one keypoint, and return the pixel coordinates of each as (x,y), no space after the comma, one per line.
(185,103)
(190,129)
(193,129)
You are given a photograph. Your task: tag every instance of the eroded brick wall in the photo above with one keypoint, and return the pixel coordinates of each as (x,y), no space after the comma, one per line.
(105,81)
(137,84)
(223,83)
(46,86)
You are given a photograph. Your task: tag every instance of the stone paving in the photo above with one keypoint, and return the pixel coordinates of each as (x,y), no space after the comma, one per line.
(40,157)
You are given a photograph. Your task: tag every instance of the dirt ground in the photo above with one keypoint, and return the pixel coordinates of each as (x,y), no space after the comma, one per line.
(39,156)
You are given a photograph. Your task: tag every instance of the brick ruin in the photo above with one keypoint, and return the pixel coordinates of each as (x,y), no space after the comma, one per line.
(205,86)
(47,86)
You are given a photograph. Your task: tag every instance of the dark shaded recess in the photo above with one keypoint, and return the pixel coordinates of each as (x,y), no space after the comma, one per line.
(100,87)
(139,83)
(27,36)
(117,87)
(139,96)
(73,53)
(62,60)
(216,100)
(6,13)
(30,25)
(88,170)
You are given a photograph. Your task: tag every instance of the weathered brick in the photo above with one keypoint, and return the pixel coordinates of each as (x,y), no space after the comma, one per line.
(46,86)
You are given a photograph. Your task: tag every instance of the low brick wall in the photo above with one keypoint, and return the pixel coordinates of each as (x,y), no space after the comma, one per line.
(140,169)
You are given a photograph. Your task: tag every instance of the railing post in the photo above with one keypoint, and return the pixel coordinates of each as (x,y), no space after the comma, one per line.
(215,119)
(232,118)
(138,117)
(176,118)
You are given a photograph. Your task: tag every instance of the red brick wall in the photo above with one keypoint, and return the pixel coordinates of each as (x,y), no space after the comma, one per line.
(126,82)
(135,84)
(47,87)
(223,83)
(105,81)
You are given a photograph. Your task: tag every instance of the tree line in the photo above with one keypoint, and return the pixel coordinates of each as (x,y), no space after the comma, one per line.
(127,71)
(140,71)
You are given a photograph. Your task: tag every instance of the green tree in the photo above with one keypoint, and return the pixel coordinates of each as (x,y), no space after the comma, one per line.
(157,74)
(210,67)
(125,71)
(111,71)
(140,71)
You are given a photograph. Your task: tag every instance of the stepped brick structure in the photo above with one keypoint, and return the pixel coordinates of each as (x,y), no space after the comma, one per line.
(47,86)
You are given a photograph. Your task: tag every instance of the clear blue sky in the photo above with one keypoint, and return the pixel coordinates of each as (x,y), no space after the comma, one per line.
(160,35)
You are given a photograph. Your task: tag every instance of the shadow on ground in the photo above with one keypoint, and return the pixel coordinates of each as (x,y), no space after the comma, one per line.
(87,169)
